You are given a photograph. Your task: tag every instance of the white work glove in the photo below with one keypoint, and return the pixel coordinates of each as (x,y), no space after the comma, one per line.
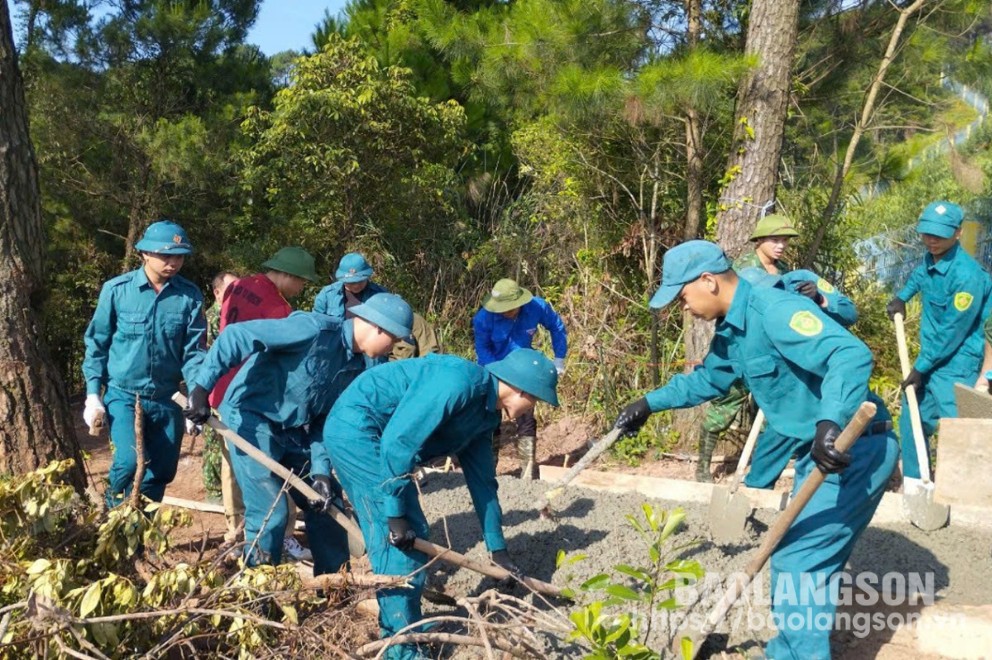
(93,406)
(560,366)
(193,428)
(982,384)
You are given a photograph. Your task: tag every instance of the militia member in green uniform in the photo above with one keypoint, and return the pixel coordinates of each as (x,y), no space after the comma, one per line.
(770,238)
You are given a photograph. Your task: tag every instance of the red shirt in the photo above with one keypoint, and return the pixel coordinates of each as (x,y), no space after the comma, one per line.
(247,299)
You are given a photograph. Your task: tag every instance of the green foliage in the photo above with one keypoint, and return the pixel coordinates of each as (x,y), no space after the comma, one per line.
(616,619)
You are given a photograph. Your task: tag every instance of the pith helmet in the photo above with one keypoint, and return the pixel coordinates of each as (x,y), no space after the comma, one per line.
(164,237)
(775,224)
(293,260)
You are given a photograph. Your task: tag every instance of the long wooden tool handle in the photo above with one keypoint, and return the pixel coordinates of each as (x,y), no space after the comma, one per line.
(491,570)
(847,438)
(595,452)
(282,471)
(914,405)
(752,438)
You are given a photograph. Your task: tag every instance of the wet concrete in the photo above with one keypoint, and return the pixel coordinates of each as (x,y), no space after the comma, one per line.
(951,564)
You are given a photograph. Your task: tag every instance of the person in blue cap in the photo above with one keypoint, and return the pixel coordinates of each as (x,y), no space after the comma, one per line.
(773,450)
(148,333)
(353,285)
(508,321)
(406,413)
(809,375)
(294,369)
(955,292)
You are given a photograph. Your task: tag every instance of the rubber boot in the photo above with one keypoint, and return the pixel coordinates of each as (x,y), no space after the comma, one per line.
(706,445)
(525,452)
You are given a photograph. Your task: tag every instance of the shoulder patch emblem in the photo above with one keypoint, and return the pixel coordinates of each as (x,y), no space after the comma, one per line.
(962,300)
(824,286)
(806,323)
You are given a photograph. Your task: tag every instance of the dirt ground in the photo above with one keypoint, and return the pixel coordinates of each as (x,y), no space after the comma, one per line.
(595,523)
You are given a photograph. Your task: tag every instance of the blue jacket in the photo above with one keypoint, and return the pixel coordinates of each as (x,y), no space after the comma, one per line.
(956,299)
(839,307)
(296,367)
(801,366)
(497,336)
(143,342)
(331,299)
(411,411)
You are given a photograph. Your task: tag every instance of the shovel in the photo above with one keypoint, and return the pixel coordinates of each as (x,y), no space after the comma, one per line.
(356,542)
(544,504)
(918,501)
(728,508)
(690,642)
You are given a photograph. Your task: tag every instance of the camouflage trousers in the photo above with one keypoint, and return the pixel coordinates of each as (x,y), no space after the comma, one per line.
(722,411)
(211,461)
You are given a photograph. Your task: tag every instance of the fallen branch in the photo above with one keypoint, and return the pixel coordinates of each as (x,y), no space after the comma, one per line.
(139,452)
(437,638)
(344,580)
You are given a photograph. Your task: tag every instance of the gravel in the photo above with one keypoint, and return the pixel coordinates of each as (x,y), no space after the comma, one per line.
(595,523)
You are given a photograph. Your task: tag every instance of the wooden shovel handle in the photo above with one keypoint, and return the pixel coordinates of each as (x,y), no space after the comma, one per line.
(914,405)
(354,533)
(850,434)
(491,570)
(595,452)
(752,438)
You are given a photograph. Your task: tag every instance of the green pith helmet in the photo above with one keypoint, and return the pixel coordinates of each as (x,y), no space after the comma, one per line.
(506,295)
(294,261)
(775,224)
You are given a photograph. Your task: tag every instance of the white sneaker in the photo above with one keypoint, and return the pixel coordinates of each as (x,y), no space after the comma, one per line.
(292,549)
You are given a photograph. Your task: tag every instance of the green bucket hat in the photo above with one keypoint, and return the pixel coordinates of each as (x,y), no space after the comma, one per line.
(529,371)
(294,261)
(775,224)
(506,295)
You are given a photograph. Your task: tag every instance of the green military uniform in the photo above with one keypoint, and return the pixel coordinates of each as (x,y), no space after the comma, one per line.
(722,411)
(425,341)
(211,441)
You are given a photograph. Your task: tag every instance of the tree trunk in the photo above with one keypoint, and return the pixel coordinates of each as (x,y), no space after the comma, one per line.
(35,420)
(693,138)
(762,101)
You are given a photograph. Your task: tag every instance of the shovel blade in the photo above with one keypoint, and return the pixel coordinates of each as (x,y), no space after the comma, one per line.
(728,515)
(923,511)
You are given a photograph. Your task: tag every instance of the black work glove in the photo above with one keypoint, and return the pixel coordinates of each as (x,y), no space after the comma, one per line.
(502,559)
(322,484)
(401,534)
(197,407)
(632,418)
(809,289)
(825,455)
(915,378)
(896,306)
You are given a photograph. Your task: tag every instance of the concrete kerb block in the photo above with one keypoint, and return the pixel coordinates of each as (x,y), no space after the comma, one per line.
(891,510)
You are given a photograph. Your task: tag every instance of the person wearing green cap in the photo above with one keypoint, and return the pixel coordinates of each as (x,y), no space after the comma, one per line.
(507,322)
(407,413)
(770,238)
(353,285)
(809,375)
(955,292)
(292,371)
(147,335)
(265,295)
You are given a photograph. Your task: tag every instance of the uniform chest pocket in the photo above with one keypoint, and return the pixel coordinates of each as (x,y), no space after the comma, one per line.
(173,324)
(937,307)
(760,367)
(132,324)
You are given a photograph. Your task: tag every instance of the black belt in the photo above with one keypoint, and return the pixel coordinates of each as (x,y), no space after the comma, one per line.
(877,427)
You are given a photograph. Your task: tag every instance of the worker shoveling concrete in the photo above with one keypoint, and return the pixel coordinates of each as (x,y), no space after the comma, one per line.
(689,643)
(356,543)
(729,509)
(918,495)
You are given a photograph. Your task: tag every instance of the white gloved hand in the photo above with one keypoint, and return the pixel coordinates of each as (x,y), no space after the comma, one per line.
(193,428)
(92,407)
(982,384)
(560,366)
